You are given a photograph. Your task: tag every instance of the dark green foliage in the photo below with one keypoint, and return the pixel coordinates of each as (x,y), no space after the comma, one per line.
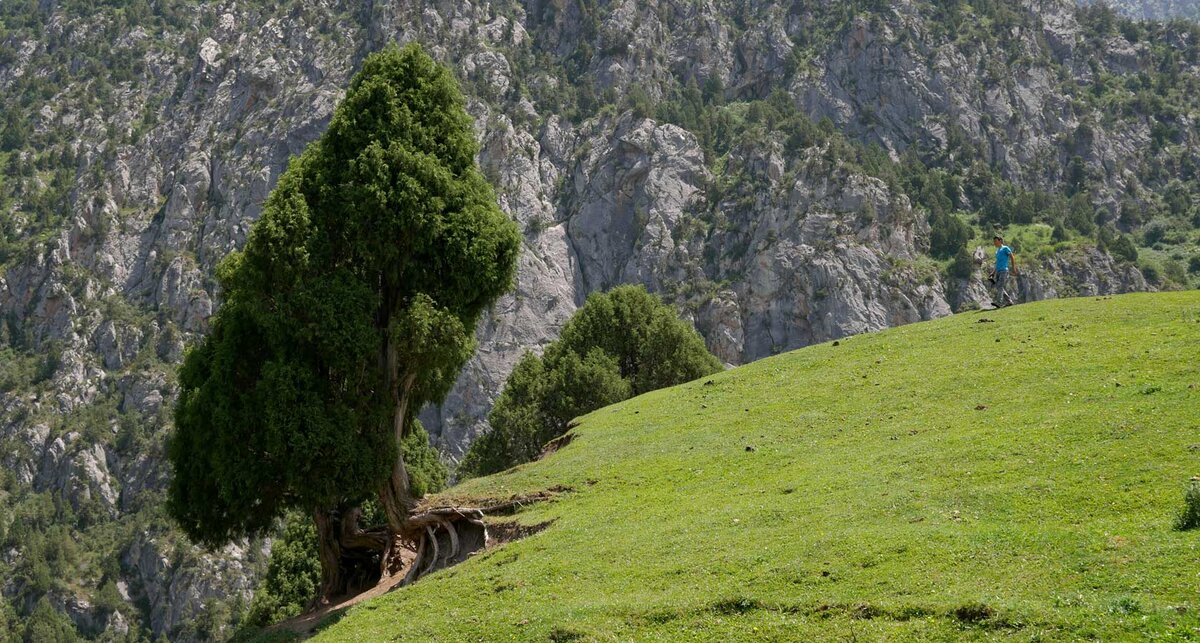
(639,102)
(47,625)
(381,244)
(1151,272)
(108,598)
(619,344)
(12,132)
(947,234)
(10,626)
(1194,264)
(1189,518)
(1122,248)
(1059,233)
(426,471)
(1174,272)
(293,574)
(1076,178)
(652,347)
(963,265)
(1131,215)
(1081,216)
(537,403)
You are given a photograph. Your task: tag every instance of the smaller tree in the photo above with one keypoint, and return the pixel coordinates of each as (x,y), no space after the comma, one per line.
(48,624)
(963,265)
(293,574)
(1081,216)
(947,234)
(1076,177)
(619,344)
(1122,248)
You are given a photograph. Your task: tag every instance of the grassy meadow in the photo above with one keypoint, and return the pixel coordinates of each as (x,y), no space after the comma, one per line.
(1009,474)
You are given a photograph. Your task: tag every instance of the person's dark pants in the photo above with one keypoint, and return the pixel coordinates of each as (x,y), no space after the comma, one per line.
(1002,297)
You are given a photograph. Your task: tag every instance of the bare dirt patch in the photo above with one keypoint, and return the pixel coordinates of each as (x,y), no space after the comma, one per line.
(500,533)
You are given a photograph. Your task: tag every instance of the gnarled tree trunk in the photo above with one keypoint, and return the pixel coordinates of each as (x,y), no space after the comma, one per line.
(351,557)
(329,551)
(396,494)
(438,537)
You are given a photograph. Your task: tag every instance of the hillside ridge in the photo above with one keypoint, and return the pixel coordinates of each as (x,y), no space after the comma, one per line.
(1011,473)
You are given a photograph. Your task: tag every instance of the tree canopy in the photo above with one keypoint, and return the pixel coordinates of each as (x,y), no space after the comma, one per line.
(353,304)
(619,344)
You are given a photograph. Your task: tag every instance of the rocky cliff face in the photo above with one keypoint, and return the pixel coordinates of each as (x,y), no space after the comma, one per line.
(1157,9)
(767,240)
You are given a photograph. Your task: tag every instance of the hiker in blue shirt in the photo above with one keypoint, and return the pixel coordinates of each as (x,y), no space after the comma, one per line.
(1005,262)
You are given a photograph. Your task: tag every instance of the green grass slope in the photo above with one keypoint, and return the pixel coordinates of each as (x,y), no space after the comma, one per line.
(956,479)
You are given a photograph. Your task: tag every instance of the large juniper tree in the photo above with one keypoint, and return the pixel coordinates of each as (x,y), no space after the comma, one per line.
(353,304)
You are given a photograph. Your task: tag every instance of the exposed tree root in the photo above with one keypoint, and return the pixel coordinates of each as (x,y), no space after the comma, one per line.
(517,503)
(429,540)
(440,538)
(432,539)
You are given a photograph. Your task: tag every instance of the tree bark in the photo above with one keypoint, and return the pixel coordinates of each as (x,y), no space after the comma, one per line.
(351,557)
(329,551)
(396,495)
(438,537)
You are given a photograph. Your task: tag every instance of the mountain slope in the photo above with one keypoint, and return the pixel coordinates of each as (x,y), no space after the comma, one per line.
(1011,473)
(1157,9)
(772,168)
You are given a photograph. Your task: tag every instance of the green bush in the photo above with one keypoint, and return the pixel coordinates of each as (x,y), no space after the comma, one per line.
(1059,234)
(1122,248)
(293,574)
(426,471)
(619,344)
(947,234)
(47,624)
(963,265)
(108,599)
(10,626)
(1151,273)
(1081,216)
(1189,518)
(1174,271)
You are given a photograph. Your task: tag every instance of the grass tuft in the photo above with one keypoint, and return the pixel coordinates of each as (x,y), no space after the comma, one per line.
(1190,517)
(973,613)
(731,606)
(558,634)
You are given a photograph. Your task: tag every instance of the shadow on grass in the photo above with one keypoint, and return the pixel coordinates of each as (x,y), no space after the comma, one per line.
(972,615)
